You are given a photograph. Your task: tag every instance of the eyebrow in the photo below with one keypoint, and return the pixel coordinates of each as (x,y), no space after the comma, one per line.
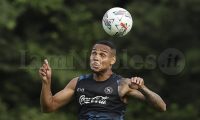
(101,50)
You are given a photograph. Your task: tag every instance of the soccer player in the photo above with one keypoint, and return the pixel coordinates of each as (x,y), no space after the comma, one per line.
(101,95)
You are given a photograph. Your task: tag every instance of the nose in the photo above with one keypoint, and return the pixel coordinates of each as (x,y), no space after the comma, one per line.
(96,57)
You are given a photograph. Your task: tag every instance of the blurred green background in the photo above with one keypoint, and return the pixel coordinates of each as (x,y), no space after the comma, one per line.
(65,30)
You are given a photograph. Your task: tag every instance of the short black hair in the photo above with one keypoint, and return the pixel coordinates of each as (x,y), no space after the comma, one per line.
(109,44)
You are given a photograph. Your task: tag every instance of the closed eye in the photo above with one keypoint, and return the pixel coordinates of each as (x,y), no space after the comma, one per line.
(103,55)
(94,53)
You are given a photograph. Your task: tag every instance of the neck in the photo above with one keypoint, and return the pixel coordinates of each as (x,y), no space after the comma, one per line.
(102,76)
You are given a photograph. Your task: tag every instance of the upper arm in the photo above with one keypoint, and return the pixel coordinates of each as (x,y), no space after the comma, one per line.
(136,93)
(65,95)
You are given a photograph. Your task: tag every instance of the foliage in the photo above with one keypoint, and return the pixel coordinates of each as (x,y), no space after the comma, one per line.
(64,32)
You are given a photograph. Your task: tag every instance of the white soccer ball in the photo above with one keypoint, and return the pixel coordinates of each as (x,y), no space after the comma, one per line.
(117,22)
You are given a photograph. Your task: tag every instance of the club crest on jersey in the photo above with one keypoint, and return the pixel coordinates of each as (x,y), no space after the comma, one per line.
(108,90)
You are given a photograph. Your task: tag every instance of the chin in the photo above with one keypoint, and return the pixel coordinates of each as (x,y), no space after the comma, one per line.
(98,70)
(95,70)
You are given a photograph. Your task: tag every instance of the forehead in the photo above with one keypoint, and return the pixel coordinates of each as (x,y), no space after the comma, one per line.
(101,47)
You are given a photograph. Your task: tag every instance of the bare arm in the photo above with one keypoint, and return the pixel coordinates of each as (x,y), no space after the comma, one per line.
(139,90)
(153,98)
(49,102)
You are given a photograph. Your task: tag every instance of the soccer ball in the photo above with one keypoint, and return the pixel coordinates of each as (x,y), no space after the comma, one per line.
(117,22)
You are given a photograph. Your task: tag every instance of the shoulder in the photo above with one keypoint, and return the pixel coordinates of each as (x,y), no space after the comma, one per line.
(72,83)
(124,81)
(84,77)
(117,77)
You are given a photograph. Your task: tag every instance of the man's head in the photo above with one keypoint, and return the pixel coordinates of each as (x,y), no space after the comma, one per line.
(103,56)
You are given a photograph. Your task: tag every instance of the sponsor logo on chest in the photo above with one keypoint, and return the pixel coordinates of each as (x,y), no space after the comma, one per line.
(88,100)
(83,99)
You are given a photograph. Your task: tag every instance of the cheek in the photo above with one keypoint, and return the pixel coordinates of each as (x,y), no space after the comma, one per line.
(106,61)
(91,57)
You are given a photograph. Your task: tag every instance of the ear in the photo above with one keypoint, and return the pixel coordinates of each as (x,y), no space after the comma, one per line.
(113,60)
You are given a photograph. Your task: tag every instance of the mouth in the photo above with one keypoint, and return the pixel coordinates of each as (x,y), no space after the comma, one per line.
(95,65)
